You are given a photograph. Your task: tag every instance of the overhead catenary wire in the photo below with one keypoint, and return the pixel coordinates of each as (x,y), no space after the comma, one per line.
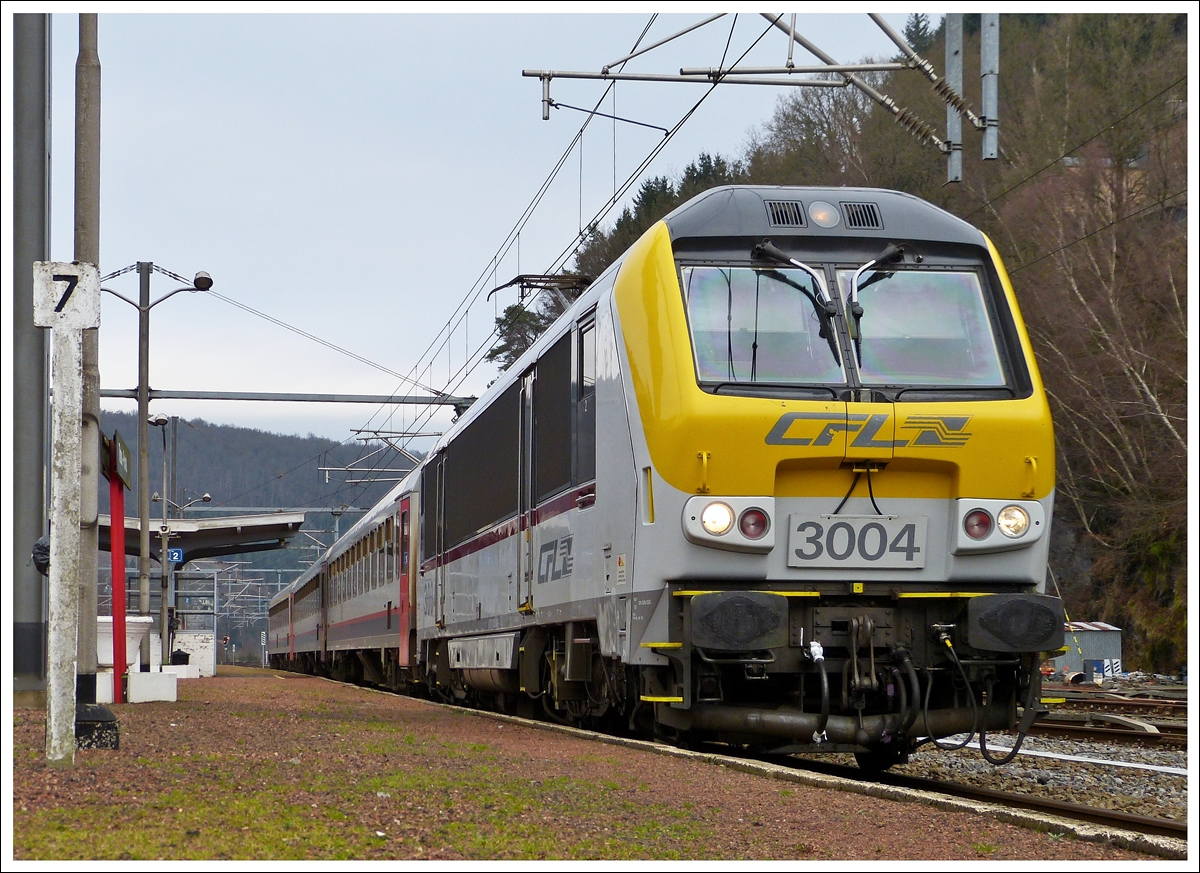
(572,248)
(1086,236)
(512,239)
(474,359)
(334,346)
(442,338)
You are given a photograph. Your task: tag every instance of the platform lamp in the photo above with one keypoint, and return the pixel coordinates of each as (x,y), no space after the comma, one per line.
(201,282)
(160,421)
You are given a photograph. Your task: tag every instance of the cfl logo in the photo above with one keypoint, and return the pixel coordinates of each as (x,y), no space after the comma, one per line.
(555,560)
(948,431)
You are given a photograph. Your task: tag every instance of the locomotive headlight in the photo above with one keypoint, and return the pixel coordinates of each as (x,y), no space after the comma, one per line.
(823,214)
(1013,521)
(978,524)
(717,518)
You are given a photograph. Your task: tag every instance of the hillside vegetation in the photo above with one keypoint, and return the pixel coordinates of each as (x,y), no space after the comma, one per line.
(242,468)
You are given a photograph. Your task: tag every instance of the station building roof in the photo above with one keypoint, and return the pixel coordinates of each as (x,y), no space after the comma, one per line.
(209,537)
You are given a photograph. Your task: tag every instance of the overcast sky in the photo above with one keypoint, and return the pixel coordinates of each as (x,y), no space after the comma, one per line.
(355,175)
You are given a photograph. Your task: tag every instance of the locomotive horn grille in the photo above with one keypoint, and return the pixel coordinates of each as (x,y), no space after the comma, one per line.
(864,216)
(784,213)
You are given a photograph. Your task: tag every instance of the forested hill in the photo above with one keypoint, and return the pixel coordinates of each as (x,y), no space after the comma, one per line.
(243,468)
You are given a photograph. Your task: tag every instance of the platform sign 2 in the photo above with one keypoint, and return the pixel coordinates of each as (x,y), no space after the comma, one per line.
(66,295)
(175,556)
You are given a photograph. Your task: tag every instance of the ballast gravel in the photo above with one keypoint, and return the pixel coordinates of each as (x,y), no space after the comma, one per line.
(1056,773)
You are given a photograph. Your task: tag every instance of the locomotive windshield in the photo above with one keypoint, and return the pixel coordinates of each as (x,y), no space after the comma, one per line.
(925,327)
(761,326)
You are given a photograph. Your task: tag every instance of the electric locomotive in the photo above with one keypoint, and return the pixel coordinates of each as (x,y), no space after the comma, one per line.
(781,477)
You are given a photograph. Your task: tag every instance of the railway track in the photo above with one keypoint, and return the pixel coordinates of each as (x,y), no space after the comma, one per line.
(1159,827)
(1072,697)
(1111,727)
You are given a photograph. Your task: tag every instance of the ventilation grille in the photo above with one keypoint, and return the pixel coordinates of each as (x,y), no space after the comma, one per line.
(784,213)
(862,215)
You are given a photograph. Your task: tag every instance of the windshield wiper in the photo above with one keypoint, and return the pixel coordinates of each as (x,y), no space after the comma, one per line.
(824,307)
(891,253)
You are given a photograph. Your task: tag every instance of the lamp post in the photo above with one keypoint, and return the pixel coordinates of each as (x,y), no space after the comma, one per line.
(203,499)
(202,282)
(337,513)
(159,420)
(180,509)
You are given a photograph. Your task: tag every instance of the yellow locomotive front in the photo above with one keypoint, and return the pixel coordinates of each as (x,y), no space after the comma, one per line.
(847,474)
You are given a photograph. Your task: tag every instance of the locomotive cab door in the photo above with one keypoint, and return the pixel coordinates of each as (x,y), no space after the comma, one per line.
(406,579)
(525,561)
(439,540)
(322,628)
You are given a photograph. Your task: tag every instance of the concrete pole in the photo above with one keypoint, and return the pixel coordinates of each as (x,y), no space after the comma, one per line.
(174,456)
(31,242)
(143,437)
(87,250)
(954,78)
(989,70)
(64,549)
(164,563)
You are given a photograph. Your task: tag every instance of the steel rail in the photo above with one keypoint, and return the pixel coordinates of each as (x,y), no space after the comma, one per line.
(1160,827)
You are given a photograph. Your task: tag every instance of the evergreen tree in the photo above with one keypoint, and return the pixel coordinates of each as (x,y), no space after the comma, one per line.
(917,32)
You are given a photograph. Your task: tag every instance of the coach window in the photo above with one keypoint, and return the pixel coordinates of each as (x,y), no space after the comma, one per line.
(404,543)
(552,402)
(482,471)
(430,527)
(585,406)
(381,556)
(372,558)
(390,537)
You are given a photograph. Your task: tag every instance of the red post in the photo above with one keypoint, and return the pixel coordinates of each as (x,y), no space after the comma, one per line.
(116,528)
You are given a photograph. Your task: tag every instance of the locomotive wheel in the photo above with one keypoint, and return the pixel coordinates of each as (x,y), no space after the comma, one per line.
(881,758)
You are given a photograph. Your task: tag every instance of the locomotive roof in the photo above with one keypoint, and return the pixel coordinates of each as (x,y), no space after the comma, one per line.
(753,211)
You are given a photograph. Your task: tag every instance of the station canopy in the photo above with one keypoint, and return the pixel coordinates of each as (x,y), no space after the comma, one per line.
(209,537)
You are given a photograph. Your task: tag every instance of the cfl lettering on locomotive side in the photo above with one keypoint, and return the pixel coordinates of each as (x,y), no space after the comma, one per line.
(782,476)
